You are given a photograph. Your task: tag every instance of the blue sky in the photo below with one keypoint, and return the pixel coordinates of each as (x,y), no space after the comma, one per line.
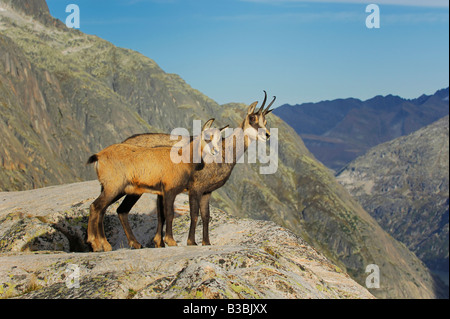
(300,51)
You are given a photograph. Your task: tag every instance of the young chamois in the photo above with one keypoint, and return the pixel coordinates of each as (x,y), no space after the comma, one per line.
(204,182)
(125,169)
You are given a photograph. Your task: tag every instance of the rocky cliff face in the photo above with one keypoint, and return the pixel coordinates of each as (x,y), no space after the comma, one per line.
(249,259)
(403,184)
(37,9)
(33,8)
(65,95)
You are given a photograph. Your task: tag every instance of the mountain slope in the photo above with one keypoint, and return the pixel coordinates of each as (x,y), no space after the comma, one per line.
(338,131)
(81,94)
(38,122)
(404,185)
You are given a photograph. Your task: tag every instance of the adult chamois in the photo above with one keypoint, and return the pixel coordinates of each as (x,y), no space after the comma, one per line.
(211,177)
(126,169)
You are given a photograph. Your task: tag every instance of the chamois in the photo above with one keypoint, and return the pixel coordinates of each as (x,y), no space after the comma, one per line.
(211,177)
(125,169)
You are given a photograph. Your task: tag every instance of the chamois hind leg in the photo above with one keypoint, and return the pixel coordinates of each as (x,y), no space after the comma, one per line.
(101,231)
(169,199)
(193,211)
(92,226)
(123,211)
(93,229)
(158,239)
(96,237)
(204,209)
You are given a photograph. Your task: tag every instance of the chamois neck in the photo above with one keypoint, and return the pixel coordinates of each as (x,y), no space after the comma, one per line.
(196,151)
(236,144)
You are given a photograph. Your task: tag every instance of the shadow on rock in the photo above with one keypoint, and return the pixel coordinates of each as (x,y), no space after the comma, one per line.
(67,231)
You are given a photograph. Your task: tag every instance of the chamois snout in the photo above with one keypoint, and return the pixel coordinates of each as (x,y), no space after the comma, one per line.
(264,136)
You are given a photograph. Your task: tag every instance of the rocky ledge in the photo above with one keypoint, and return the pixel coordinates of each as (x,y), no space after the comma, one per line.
(43,254)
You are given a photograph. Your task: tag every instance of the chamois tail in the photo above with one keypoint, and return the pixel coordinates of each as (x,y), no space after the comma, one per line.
(92,159)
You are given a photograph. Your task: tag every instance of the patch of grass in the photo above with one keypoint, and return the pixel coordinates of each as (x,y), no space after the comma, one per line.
(131,293)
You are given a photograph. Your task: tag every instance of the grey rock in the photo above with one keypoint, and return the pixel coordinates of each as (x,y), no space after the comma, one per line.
(248,259)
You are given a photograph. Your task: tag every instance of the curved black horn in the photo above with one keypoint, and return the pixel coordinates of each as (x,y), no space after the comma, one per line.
(264,103)
(271,103)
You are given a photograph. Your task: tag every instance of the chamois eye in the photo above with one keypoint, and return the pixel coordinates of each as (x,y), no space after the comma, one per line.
(252,118)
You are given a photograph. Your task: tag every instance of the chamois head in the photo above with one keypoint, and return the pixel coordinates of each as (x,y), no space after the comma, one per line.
(211,138)
(257,120)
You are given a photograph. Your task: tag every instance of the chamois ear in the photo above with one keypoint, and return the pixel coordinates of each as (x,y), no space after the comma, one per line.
(208,124)
(252,107)
(224,128)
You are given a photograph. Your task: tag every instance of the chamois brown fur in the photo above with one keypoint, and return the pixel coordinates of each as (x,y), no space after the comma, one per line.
(125,169)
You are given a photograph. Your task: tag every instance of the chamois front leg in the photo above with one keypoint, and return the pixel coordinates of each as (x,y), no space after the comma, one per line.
(158,239)
(193,207)
(169,199)
(204,210)
(123,211)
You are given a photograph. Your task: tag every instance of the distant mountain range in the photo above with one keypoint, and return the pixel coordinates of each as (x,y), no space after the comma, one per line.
(338,131)
(65,95)
(404,185)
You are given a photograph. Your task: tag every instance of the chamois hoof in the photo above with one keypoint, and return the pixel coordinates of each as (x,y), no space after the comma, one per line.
(135,245)
(170,241)
(99,246)
(96,248)
(206,243)
(159,243)
(106,246)
(191,243)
